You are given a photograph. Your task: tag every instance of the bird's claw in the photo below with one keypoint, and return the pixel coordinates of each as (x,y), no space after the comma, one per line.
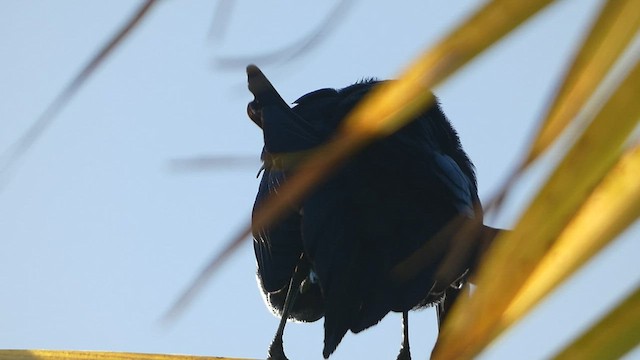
(404,354)
(276,351)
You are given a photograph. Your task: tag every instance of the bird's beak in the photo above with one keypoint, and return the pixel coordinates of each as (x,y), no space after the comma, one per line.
(263,92)
(284,131)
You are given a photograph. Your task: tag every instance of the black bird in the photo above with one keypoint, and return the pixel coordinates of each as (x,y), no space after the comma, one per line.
(334,255)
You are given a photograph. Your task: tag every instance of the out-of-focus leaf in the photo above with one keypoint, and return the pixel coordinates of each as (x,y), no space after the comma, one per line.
(221,17)
(612,207)
(10,157)
(612,337)
(214,162)
(96,355)
(393,105)
(386,110)
(616,26)
(296,48)
(475,321)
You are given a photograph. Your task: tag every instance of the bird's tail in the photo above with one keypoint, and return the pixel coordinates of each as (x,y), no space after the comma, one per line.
(484,241)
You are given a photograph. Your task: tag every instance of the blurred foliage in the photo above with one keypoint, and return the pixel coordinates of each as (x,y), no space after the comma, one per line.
(590,198)
(96,355)
(612,337)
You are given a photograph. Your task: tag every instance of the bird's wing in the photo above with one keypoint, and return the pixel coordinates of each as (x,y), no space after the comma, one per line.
(278,248)
(460,188)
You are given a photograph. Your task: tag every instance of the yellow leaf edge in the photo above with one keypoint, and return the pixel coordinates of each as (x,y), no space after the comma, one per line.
(612,207)
(11,354)
(474,322)
(613,336)
(609,36)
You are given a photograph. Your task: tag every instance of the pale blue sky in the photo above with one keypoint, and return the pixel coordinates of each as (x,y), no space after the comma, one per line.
(99,236)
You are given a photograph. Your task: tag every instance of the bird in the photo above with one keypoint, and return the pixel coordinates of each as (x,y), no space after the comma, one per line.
(396,205)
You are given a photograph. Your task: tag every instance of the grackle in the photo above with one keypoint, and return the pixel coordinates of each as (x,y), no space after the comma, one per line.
(335,254)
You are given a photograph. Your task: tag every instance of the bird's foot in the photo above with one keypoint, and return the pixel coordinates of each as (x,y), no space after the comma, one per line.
(404,354)
(276,351)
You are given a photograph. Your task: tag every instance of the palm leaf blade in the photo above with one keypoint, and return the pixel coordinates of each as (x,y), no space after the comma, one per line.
(475,322)
(612,207)
(612,337)
(97,355)
(613,31)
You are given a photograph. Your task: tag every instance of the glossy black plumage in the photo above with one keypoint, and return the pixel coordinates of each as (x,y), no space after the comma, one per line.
(374,212)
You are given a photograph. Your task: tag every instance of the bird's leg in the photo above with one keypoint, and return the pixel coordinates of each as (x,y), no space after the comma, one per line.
(405,354)
(448,299)
(441,310)
(276,350)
